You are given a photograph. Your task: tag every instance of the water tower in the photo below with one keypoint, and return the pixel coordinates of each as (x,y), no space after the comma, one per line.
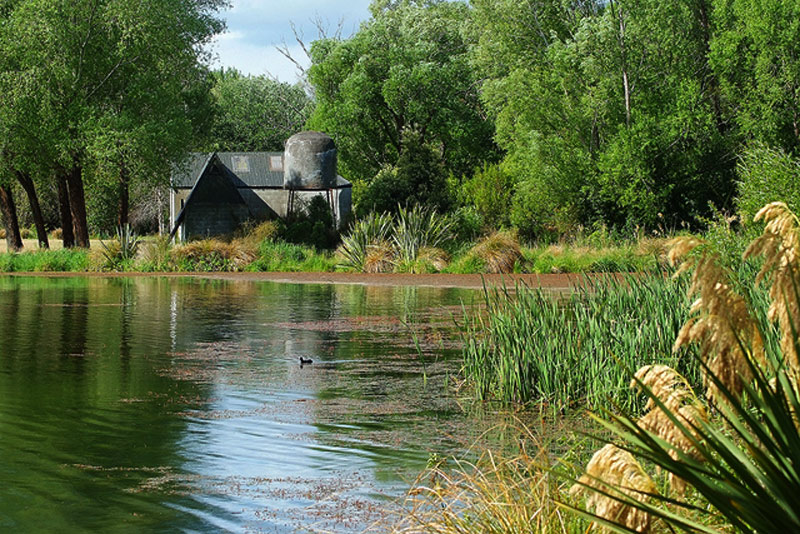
(310,165)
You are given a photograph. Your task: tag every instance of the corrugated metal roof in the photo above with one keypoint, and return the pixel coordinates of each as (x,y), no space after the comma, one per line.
(247,169)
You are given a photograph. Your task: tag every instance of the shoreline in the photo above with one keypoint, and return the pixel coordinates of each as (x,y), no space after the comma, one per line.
(555,282)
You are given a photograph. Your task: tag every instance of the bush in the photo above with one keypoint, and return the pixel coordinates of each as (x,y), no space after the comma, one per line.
(767,175)
(311,225)
(489,193)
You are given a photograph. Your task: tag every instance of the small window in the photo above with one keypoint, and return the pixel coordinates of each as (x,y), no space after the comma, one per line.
(276,163)
(241,164)
(181,203)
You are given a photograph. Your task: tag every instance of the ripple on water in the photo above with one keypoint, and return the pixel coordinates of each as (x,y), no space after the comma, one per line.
(179,405)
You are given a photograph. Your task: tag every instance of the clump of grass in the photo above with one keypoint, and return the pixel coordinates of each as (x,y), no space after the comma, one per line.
(278,256)
(611,472)
(65,260)
(512,492)
(499,251)
(370,232)
(528,346)
(156,254)
(380,258)
(409,242)
(209,255)
(416,229)
(117,254)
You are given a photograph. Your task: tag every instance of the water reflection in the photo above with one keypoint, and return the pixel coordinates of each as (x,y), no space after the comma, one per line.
(130,404)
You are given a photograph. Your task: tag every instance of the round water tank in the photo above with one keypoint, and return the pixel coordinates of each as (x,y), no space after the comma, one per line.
(309,162)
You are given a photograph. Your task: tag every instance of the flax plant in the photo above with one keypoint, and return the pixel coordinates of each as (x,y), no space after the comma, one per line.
(743,465)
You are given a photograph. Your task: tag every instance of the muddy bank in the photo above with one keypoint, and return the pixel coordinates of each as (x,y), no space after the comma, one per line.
(467,281)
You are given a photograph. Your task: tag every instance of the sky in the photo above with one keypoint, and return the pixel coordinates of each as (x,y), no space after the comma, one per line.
(256,27)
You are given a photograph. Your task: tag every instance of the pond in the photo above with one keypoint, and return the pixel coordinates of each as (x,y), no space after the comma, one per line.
(180,405)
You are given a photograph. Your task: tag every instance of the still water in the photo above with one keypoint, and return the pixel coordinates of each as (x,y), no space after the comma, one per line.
(179,405)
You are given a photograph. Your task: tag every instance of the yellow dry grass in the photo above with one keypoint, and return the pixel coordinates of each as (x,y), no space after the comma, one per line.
(721,323)
(615,471)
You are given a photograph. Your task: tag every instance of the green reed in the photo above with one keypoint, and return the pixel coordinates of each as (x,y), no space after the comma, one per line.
(528,345)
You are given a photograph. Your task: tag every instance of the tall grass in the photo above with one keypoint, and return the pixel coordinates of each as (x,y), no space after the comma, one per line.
(277,256)
(742,466)
(529,346)
(64,260)
(497,494)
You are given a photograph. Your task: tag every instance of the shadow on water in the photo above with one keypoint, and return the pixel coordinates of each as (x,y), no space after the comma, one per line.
(179,405)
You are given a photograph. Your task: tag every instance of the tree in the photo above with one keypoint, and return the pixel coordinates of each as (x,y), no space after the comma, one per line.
(84,74)
(608,110)
(255,113)
(756,54)
(406,69)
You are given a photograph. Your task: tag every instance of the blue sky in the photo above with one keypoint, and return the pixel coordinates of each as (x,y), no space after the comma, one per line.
(256,27)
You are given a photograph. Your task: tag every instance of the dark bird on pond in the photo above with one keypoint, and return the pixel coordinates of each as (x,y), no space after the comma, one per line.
(305,361)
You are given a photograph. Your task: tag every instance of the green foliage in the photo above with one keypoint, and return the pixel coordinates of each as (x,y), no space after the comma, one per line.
(156,254)
(64,260)
(366,232)
(255,113)
(530,347)
(120,252)
(767,175)
(311,224)
(489,192)
(406,68)
(607,112)
(418,178)
(741,466)
(416,229)
(278,256)
(756,53)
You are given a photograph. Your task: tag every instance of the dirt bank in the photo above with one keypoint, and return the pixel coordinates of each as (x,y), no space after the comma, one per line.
(476,281)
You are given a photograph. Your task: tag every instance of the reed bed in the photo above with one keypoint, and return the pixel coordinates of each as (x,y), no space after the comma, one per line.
(527,346)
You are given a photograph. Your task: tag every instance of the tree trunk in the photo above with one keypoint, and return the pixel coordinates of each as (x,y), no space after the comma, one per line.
(67,235)
(27,184)
(710,77)
(77,204)
(9,210)
(124,194)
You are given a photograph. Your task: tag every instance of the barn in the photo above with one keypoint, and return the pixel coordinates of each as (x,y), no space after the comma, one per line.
(214,193)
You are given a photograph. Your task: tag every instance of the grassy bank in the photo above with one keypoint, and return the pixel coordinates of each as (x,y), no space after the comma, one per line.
(155,254)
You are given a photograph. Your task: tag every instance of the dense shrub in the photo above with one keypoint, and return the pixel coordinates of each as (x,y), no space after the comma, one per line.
(767,175)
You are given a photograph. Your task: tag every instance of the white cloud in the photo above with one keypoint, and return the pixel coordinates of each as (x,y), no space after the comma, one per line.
(258,59)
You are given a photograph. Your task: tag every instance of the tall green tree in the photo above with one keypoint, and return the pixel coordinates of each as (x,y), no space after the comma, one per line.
(255,113)
(405,70)
(756,53)
(84,74)
(608,110)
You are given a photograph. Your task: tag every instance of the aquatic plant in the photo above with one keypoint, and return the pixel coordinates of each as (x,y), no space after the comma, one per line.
(499,493)
(744,465)
(529,345)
